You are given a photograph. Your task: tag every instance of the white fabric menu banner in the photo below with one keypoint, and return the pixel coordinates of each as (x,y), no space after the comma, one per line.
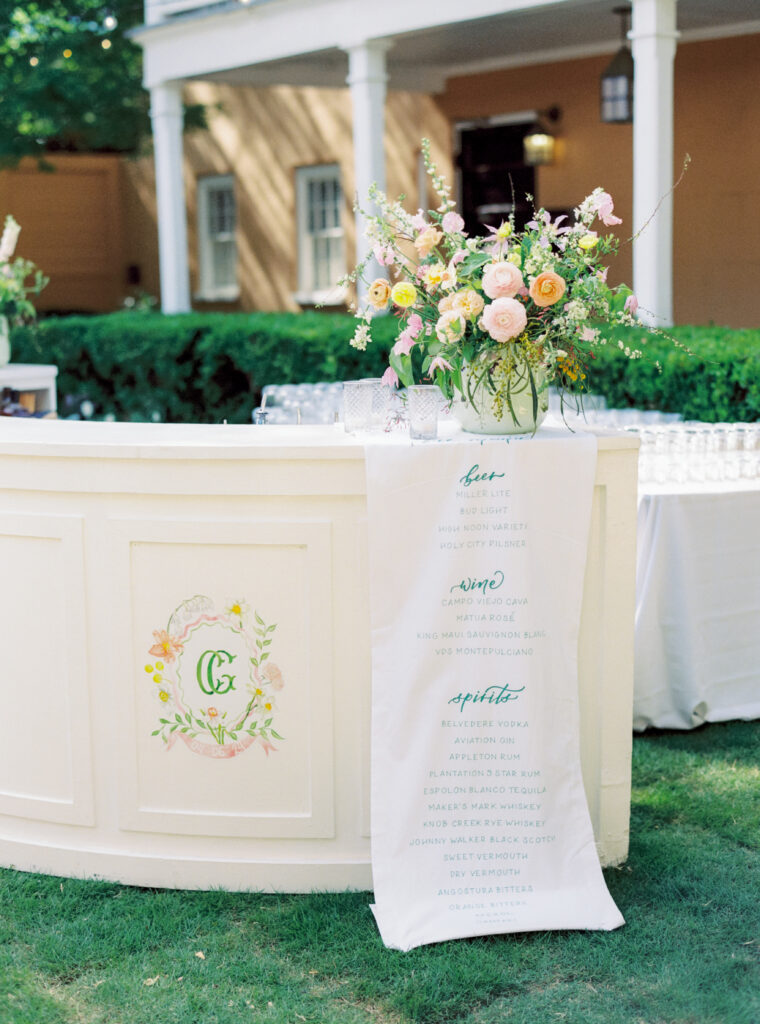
(477,551)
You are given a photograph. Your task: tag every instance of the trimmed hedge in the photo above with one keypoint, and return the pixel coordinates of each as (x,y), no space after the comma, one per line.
(194,367)
(715,378)
(209,367)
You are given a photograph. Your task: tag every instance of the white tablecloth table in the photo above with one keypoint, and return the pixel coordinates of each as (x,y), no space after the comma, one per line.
(697,641)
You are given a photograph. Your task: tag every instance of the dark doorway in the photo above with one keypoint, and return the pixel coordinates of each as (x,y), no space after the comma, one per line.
(492,169)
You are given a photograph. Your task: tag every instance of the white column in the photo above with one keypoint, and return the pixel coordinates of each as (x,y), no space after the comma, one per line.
(653,44)
(166,115)
(367,79)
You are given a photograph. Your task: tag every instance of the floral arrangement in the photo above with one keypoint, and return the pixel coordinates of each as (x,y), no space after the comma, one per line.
(508,311)
(19,278)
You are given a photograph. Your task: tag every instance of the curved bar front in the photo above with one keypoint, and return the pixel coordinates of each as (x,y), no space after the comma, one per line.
(127,547)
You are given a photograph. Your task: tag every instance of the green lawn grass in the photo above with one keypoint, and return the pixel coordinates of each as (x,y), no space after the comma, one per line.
(75,952)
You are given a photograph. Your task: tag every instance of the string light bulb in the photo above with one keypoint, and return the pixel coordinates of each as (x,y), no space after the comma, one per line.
(67,53)
(110,22)
(34,61)
(106,44)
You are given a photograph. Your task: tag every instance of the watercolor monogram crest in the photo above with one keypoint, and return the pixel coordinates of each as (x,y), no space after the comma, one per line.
(213,679)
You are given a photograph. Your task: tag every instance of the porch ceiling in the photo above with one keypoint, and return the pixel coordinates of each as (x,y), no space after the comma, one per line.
(424,58)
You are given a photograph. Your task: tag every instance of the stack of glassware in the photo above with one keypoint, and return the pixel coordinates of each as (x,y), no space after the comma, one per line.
(695,452)
(300,403)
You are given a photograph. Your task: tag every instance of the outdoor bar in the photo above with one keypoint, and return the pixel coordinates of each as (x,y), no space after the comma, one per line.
(114,538)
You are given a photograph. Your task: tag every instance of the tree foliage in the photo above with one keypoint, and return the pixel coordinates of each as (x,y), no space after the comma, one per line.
(70,79)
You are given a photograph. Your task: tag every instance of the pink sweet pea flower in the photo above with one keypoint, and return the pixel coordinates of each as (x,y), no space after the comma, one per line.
(452,223)
(418,221)
(414,325)
(390,377)
(588,334)
(384,255)
(404,343)
(631,305)
(458,256)
(604,207)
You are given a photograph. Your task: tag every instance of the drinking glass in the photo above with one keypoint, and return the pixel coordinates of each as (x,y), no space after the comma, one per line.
(357,405)
(381,394)
(424,401)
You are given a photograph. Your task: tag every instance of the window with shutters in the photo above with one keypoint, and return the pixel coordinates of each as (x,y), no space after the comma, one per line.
(321,244)
(217,249)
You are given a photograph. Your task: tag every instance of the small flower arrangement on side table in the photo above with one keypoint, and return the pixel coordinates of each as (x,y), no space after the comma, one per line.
(19,278)
(496,319)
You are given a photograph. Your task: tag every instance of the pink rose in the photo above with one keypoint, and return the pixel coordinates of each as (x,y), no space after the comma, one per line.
(604,207)
(502,280)
(504,319)
(452,223)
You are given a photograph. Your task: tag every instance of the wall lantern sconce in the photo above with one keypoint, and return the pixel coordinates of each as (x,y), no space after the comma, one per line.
(539,143)
(617,79)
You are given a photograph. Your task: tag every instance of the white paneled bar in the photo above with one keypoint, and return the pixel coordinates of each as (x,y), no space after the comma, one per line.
(107,529)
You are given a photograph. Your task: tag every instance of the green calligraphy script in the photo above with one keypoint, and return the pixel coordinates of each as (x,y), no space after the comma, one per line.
(493,694)
(489,583)
(472,476)
(205,672)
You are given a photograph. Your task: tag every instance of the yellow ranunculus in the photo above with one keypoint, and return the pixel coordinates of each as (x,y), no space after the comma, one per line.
(404,294)
(515,257)
(588,241)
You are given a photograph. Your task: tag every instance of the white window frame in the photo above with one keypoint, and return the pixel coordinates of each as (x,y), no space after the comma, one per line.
(308,293)
(208,290)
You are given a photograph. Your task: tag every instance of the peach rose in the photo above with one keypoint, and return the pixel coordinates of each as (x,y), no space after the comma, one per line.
(468,302)
(504,319)
(547,288)
(378,293)
(426,241)
(446,303)
(502,280)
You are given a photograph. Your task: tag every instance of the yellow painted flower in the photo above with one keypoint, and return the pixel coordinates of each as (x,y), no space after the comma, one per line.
(404,294)
(163,696)
(268,707)
(588,241)
(148,669)
(156,678)
(160,666)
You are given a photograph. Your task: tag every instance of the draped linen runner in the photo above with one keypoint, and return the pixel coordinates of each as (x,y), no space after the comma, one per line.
(477,551)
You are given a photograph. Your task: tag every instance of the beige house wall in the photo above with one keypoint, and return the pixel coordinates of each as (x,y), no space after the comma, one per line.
(262,136)
(71,221)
